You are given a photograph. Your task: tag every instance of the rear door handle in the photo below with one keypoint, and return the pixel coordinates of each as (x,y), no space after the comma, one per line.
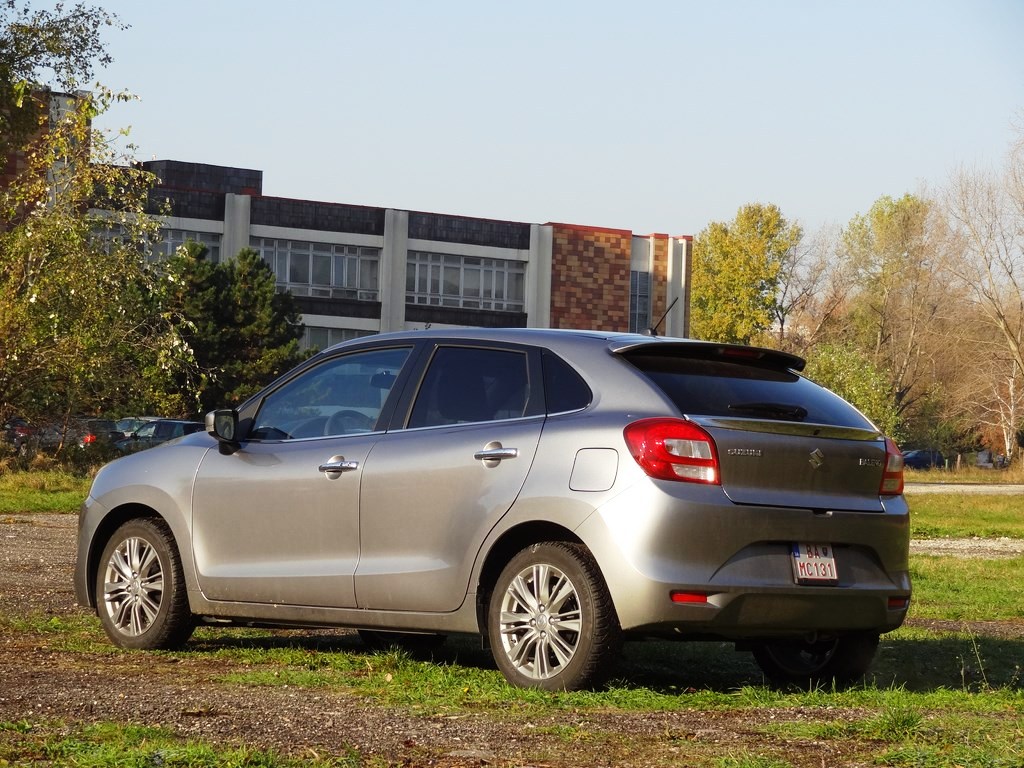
(337,464)
(494,453)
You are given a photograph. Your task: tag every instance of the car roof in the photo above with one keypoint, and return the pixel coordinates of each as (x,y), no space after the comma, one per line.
(561,338)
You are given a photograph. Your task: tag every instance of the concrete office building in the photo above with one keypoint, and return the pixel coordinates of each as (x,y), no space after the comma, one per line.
(359,270)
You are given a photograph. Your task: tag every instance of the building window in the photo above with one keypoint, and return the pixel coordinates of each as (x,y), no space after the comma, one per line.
(470,282)
(172,239)
(315,337)
(322,269)
(639,301)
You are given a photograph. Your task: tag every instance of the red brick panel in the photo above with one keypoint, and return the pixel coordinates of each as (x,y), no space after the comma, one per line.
(590,278)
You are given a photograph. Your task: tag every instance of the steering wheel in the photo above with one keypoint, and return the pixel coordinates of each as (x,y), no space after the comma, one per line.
(271,433)
(344,421)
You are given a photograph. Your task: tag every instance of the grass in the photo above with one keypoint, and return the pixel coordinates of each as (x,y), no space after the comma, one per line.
(968,589)
(965,515)
(970,474)
(137,746)
(935,698)
(51,491)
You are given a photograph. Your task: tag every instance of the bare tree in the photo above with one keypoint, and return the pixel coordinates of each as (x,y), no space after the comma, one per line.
(986,214)
(811,289)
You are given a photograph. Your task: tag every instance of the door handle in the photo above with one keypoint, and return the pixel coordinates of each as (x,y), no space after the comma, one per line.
(337,464)
(494,453)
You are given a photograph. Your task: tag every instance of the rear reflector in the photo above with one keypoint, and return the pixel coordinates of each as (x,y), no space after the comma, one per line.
(688,597)
(898,603)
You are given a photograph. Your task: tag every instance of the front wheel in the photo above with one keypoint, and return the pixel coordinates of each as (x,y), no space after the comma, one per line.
(840,660)
(140,588)
(551,621)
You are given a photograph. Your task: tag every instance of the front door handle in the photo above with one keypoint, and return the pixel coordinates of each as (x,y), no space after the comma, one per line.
(336,465)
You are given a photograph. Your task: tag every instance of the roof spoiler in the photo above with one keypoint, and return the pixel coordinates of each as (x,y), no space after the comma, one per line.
(708,350)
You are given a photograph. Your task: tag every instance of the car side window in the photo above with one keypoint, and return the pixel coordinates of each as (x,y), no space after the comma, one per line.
(343,395)
(564,389)
(470,384)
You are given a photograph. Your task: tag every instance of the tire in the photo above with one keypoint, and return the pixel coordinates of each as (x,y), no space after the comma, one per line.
(141,597)
(839,661)
(550,619)
(414,643)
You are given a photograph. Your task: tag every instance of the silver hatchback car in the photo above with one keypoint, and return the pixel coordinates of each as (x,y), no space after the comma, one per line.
(553,491)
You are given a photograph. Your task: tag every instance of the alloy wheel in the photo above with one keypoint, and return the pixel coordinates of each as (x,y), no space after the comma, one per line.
(540,621)
(133,586)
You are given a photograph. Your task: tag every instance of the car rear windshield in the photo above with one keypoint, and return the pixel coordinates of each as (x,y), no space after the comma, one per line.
(703,387)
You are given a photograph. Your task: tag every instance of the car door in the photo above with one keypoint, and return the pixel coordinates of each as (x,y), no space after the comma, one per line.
(277,521)
(145,436)
(433,489)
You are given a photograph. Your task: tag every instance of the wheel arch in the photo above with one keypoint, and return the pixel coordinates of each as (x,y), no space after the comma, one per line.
(105,530)
(504,549)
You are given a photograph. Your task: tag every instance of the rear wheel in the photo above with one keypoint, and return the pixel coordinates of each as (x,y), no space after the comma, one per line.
(840,660)
(140,588)
(551,621)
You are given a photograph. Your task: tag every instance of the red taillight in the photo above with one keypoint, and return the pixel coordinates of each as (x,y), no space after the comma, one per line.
(892,476)
(673,449)
(89,438)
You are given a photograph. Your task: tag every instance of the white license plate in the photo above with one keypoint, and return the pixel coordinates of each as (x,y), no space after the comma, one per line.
(814,564)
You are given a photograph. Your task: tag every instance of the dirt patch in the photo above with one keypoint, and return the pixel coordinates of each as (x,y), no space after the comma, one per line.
(969,548)
(40,682)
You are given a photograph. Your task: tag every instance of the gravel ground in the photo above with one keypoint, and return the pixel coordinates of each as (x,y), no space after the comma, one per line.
(973,488)
(41,682)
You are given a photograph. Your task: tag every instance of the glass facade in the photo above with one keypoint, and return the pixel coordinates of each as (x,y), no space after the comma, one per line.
(639,301)
(322,269)
(471,282)
(315,337)
(172,239)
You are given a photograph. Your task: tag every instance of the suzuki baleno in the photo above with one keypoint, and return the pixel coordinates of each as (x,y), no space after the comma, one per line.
(556,492)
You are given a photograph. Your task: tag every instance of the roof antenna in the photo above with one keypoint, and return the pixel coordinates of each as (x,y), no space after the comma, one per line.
(653,330)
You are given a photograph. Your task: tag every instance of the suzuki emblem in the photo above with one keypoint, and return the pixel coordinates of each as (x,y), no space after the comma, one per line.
(817,458)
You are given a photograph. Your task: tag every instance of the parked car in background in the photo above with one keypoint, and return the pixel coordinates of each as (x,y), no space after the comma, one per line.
(129,424)
(923,459)
(19,433)
(155,432)
(556,492)
(78,432)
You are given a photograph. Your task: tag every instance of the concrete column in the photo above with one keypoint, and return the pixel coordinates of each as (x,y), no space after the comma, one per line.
(538,277)
(394,259)
(237,216)
(677,323)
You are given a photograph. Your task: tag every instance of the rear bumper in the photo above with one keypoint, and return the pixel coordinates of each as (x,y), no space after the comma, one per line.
(734,563)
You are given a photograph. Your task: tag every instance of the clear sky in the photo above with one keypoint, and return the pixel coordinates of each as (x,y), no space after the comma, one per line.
(657,116)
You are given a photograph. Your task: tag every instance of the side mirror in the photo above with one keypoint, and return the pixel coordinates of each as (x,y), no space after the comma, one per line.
(223,424)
